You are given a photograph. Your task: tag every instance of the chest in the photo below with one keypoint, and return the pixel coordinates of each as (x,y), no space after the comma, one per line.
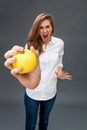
(49,57)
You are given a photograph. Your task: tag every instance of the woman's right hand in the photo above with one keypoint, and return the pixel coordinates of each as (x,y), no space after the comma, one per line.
(31,79)
(9,56)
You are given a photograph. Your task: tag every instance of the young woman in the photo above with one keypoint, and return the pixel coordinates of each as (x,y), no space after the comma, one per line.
(40,84)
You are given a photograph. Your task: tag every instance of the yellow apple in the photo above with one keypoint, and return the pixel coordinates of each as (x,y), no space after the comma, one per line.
(26,60)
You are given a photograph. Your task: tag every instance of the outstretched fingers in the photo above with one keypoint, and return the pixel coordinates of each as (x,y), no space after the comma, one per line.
(67,76)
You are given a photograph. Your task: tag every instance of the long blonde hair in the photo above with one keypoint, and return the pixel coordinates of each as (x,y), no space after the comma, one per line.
(33,36)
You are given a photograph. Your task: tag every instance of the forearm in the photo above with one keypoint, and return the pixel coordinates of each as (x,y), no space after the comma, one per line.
(35,77)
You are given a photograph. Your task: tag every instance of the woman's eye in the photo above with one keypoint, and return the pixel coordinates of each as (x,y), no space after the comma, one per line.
(41,28)
(47,26)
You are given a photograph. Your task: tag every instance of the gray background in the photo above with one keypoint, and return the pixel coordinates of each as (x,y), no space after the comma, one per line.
(70,20)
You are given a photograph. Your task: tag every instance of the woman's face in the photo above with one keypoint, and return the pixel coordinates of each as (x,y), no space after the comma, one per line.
(45,31)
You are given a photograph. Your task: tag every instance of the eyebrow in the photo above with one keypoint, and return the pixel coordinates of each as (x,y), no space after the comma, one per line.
(45,26)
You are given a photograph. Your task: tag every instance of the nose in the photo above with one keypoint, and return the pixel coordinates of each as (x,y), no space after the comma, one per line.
(44,30)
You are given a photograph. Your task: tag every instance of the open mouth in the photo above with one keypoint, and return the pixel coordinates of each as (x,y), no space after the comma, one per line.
(45,36)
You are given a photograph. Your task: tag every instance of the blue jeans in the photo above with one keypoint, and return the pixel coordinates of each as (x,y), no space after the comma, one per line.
(31,107)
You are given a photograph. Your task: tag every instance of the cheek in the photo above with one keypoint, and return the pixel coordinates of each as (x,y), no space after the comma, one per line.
(40,33)
(50,31)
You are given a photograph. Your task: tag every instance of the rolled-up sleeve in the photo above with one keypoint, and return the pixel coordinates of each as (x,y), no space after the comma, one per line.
(61,53)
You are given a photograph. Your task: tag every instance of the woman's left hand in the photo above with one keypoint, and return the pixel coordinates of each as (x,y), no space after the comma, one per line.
(63,75)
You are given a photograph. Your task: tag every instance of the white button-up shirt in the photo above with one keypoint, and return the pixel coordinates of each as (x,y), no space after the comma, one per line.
(50,59)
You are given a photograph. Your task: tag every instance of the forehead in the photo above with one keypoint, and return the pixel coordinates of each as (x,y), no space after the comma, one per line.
(45,22)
